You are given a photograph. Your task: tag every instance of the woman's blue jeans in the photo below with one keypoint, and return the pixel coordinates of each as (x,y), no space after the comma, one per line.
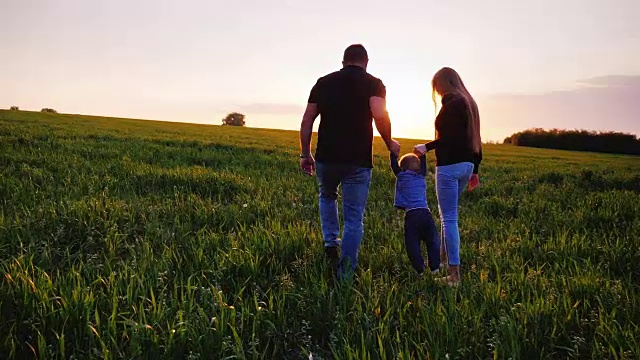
(450,183)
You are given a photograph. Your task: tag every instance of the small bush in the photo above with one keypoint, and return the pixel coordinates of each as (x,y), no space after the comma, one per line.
(234,119)
(49,110)
(14,108)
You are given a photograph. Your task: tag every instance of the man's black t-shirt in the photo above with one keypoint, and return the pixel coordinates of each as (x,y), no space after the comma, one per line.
(345,134)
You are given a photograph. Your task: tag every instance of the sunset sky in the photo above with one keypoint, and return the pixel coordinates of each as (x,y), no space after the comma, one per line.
(564,64)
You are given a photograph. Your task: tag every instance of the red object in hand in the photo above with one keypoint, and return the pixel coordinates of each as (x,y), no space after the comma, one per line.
(474,182)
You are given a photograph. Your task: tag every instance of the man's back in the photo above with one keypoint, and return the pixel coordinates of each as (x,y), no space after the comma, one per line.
(347,101)
(345,133)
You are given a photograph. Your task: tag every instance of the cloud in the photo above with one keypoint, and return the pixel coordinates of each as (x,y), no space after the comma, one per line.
(605,103)
(271,109)
(613,81)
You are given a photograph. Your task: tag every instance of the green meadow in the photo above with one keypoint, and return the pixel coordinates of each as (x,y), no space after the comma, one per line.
(129,239)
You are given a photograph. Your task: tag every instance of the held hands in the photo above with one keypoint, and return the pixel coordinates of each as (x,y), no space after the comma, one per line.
(308,165)
(474,182)
(394,147)
(420,149)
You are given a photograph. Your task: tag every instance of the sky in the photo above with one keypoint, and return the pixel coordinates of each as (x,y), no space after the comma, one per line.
(554,64)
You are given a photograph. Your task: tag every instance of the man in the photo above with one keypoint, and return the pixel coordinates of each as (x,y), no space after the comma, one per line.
(346,101)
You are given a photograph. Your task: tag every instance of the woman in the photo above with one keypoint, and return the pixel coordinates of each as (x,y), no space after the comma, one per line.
(458,155)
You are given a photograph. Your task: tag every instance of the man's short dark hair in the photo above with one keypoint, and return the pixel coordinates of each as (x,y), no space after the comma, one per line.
(355,54)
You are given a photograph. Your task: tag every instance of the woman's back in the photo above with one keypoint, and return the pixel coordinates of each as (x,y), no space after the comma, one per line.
(452,126)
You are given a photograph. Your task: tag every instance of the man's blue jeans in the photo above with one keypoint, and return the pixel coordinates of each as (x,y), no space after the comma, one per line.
(354,181)
(450,183)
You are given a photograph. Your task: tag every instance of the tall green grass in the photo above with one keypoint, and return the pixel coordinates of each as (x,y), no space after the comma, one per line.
(136,239)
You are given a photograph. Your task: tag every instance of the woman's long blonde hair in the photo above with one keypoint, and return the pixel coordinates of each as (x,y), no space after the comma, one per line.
(448,81)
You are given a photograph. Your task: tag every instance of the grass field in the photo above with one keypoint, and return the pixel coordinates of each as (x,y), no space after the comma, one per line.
(138,239)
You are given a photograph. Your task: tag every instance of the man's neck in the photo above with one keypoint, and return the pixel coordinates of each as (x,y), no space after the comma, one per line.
(352,65)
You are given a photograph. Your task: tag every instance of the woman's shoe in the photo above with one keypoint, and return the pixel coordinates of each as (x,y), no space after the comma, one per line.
(449,280)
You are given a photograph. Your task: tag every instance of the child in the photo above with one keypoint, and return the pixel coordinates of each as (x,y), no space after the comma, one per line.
(411,196)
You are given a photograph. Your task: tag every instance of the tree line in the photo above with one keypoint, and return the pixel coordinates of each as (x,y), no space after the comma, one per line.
(578,140)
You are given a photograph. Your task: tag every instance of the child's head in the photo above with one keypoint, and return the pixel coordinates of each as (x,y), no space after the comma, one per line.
(410,162)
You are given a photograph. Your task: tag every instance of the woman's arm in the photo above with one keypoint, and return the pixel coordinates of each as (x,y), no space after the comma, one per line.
(448,122)
(424,148)
(477,158)
(431,145)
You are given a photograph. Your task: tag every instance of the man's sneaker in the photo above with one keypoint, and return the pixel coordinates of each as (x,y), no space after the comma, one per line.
(332,254)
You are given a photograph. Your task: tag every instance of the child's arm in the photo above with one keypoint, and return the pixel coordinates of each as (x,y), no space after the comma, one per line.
(423,164)
(394,163)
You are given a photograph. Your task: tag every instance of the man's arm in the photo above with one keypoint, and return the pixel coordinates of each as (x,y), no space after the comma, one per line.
(306,128)
(310,115)
(393,159)
(378,107)
(423,165)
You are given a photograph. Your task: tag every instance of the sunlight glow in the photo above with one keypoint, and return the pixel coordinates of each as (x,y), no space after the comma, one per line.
(411,111)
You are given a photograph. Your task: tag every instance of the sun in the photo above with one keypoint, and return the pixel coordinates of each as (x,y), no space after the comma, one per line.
(411,112)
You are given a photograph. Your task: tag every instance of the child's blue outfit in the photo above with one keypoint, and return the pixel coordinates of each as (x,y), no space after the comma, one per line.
(411,196)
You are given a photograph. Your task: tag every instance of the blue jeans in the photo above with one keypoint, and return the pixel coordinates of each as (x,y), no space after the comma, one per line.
(354,181)
(450,183)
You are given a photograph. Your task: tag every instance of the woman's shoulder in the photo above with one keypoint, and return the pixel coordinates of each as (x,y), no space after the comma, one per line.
(453,99)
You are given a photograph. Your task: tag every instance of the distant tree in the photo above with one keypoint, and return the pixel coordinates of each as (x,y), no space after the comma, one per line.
(49,110)
(234,119)
(14,108)
(579,140)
